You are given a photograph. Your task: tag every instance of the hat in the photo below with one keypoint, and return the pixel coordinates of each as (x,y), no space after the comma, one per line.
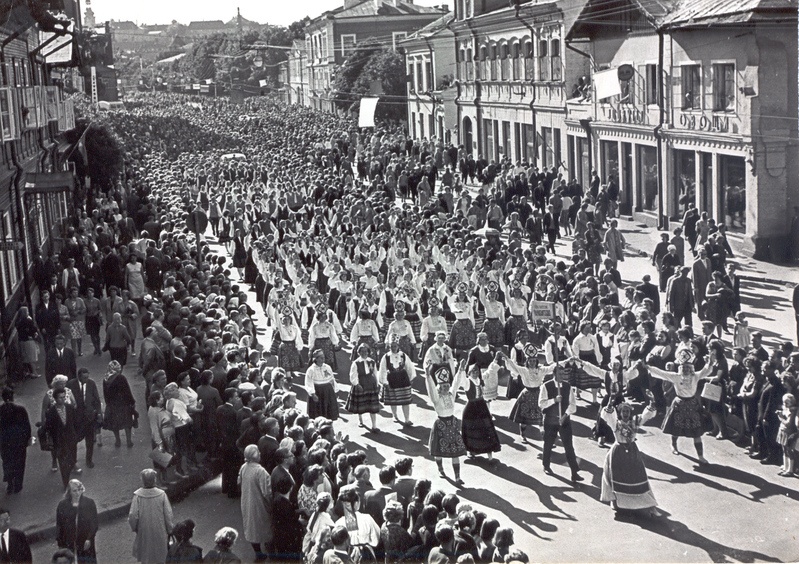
(463,287)
(530,351)
(685,356)
(434,302)
(317,352)
(286,312)
(442,375)
(441,332)
(515,284)
(493,286)
(321,308)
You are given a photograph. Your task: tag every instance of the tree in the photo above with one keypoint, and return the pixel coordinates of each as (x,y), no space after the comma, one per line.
(297,29)
(103,152)
(349,84)
(388,67)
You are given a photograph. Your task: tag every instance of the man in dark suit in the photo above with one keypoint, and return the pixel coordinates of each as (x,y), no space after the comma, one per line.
(14,545)
(405,484)
(701,273)
(557,402)
(15,436)
(60,360)
(374,501)
(88,409)
(228,435)
(47,319)
(550,226)
(268,443)
(650,291)
(64,433)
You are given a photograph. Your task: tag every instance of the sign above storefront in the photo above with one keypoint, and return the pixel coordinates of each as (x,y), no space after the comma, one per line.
(703,122)
(622,114)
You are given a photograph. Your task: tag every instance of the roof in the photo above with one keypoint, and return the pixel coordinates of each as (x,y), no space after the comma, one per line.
(208,24)
(704,12)
(124,25)
(385,8)
(433,28)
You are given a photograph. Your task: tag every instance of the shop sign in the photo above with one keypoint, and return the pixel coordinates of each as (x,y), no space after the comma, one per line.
(634,116)
(702,122)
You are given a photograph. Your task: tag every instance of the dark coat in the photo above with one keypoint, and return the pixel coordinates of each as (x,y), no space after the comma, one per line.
(65,435)
(15,434)
(87,409)
(18,548)
(76,525)
(55,364)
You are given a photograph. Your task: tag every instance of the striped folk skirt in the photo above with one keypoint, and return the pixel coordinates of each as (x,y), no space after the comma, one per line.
(526,411)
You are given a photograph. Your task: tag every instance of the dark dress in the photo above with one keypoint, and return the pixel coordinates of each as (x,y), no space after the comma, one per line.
(288,544)
(477,427)
(119,403)
(76,525)
(15,433)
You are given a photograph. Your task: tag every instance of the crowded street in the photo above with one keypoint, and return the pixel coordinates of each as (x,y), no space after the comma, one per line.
(352,321)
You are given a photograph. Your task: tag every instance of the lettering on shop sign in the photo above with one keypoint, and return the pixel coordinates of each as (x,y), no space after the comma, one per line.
(626,115)
(705,123)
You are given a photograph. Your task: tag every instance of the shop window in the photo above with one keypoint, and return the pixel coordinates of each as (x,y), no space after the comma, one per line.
(546,147)
(691,87)
(732,178)
(647,179)
(724,87)
(651,84)
(685,173)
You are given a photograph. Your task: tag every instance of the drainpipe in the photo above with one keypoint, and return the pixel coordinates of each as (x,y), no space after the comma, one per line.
(662,217)
(478,130)
(533,99)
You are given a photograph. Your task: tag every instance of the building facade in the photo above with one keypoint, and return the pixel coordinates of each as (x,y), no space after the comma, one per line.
(333,36)
(706,113)
(35,185)
(513,75)
(430,61)
(297,73)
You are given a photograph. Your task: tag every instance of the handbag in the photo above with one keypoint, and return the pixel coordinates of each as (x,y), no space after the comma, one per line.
(45,440)
(711,392)
(161,458)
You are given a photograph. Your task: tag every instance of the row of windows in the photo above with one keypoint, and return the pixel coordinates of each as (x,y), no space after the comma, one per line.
(718,95)
(513,62)
(420,74)
(32,107)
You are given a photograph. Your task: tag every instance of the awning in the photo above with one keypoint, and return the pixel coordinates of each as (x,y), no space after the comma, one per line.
(40,183)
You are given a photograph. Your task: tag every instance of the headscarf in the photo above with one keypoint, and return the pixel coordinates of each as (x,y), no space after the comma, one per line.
(113,369)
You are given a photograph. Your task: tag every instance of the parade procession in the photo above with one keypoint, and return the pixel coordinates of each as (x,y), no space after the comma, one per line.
(274,321)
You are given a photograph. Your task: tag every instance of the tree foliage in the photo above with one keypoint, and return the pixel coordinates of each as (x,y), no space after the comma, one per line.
(103,153)
(372,70)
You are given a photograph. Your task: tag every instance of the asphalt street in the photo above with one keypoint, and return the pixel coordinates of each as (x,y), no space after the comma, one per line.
(735,509)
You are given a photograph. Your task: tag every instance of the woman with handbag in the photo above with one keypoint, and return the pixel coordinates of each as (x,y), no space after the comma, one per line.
(62,425)
(76,523)
(120,406)
(714,392)
(59,383)
(162,436)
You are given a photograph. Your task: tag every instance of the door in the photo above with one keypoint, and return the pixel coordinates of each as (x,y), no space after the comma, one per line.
(626,179)
(467,136)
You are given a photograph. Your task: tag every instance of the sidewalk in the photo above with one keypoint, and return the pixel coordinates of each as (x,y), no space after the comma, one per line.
(115,475)
(643,239)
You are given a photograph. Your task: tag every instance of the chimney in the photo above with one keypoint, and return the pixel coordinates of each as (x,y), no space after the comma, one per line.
(444,8)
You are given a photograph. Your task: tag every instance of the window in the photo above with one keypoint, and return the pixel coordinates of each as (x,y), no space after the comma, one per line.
(528,61)
(325,46)
(9,267)
(504,62)
(8,120)
(627,91)
(396,37)
(493,62)
(469,65)
(517,62)
(419,77)
(546,147)
(724,87)
(347,44)
(413,124)
(554,54)
(651,84)
(411,76)
(428,74)
(543,60)
(691,87)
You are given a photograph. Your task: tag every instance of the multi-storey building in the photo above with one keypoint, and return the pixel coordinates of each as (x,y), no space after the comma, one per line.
(706,112)
(297,73)
(430,60)
(513,73)
(36,188)
(331,37)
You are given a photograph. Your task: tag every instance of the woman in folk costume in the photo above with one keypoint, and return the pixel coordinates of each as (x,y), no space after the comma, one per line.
(320,383)
(396,372)
(462,336)
(445,435)
(478,361)
(614,381)
(525,410)
(517,306)
(288,352)
(409,297)
(684,416)
(446,292)
(624,480)
(386,305)
(401,328)
(477,426)
(431,326)
(322,335)
(494,324)
(364,331)
(585,346)
(365,391)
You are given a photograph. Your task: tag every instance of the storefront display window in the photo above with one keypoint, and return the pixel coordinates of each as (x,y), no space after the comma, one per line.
(732,180)
(648,179)
(685,179)
(610,161)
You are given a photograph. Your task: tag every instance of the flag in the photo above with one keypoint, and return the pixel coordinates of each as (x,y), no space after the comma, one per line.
(607,84)
(366,118)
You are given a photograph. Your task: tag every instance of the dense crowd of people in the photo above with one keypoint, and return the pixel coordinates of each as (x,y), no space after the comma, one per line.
(380,272)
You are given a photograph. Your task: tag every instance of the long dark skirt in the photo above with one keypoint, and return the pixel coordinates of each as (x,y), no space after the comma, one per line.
(445,438)
(326,405)
(526,411)
(624,479)
(478,431)
(462,336)
(288,357)
(684,418)
(495,330)
(120,355)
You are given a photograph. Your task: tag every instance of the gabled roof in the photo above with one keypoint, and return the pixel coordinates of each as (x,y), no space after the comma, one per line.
(385,8)
(688,13)
(126,25)
(433,28)
(208,24)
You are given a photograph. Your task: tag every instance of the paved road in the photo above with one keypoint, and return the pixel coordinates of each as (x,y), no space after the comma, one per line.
(733,510)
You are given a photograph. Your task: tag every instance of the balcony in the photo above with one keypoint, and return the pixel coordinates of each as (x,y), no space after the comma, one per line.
(577,109)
